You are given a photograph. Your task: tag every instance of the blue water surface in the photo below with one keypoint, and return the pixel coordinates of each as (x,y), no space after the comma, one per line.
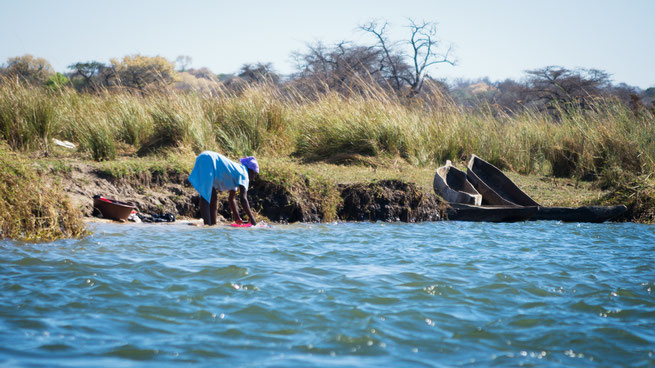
(332,295)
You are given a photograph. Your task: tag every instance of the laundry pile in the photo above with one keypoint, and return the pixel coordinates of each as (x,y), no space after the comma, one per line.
(140,217)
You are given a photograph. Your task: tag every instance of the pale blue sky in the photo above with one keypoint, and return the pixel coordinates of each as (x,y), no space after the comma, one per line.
(499,39)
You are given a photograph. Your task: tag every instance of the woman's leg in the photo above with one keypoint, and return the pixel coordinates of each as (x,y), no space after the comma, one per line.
(205,211)
(213,207)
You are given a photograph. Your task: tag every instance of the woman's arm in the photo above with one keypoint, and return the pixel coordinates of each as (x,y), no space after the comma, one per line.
(243,196)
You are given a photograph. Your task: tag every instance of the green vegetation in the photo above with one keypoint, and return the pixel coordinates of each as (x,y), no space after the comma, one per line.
(264,120)
(134,168)
(32,207)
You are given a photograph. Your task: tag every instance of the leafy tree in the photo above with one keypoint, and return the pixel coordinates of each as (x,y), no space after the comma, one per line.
(86,75)
(32,69)
(143,73)
(650,92)
(259,72)
(203,73)
(199,80)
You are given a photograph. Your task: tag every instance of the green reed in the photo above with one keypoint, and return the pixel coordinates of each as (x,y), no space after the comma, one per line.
(268,120)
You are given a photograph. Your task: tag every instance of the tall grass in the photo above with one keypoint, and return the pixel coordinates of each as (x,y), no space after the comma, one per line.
(177,121)
(262,119)
(27,116)
(255,121)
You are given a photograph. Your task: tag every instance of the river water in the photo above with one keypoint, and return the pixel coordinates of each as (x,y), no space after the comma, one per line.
(328,295)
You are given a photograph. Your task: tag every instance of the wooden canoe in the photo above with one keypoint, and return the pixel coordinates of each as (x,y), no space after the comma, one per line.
(465,212)
(451,184)
(596,214)
(497,189)
(494,186)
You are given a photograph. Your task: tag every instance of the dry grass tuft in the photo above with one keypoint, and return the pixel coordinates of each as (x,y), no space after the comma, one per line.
(32,208)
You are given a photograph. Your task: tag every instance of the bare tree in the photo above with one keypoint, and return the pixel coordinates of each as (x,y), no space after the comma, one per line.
(423,53)
(340,68)
(182,62)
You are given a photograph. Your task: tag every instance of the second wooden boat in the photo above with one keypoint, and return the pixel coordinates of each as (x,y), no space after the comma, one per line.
(494,186)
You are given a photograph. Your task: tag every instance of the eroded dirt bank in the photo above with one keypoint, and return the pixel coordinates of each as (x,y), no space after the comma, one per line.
(388,200)
(163,192)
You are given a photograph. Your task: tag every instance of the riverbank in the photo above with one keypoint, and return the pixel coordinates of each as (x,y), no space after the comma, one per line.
(287,190)
(369,156)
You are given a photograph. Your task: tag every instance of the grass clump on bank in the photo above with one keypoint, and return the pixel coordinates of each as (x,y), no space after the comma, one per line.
(637,193)
(261,119)
(32,208)
(135,168)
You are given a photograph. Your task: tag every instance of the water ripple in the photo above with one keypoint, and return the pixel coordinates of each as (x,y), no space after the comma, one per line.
(344,294)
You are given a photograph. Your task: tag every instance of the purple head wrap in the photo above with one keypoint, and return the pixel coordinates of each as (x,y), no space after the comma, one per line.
(251,163)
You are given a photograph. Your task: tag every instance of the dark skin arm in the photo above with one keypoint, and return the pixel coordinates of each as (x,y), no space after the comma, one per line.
(243,198)
(233,207)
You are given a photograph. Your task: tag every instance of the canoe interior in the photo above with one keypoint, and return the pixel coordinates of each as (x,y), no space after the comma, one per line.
(453,186)
(494,186)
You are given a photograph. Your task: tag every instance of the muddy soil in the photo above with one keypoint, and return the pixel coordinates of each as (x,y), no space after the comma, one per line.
(389,201)
(278,204)
(151,194)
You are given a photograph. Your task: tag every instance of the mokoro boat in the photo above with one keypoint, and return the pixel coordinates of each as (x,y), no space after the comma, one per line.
(113,209)
(451,184)
(494,186)
(596,214)
(466,212)
(498,189)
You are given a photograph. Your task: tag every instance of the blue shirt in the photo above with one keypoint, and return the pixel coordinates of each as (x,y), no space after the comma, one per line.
(213,170)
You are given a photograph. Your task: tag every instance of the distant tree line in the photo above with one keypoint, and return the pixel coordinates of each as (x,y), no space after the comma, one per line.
(552,89)
(400,67)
